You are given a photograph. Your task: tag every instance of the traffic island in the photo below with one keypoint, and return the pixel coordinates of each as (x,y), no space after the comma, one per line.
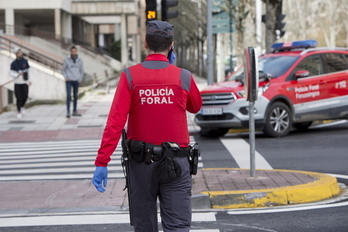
(234,188)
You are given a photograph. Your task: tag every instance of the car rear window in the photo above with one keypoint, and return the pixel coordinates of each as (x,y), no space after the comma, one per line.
(335,62)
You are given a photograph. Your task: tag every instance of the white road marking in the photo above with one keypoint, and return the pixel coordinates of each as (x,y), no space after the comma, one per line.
(67,176)
(56,160)
(338,176)
(217,230)
(330,124)
(240,151)
(94,219)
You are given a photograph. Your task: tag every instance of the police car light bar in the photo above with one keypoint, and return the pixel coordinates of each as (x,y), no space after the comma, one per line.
(311,43)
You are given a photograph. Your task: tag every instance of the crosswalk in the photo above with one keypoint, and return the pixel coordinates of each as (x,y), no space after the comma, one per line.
(55,160)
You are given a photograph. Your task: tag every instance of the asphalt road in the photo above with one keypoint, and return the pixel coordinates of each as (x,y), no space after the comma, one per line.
(322,149)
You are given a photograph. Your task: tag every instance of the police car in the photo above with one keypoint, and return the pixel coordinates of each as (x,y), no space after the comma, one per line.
(298,84)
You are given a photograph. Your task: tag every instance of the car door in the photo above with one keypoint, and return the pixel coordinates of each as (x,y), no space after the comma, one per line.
(309,93)
(336,69)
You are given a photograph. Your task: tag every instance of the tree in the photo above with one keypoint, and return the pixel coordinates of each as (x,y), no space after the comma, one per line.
(116,50)
(330,23)
(318,19)
(190,35)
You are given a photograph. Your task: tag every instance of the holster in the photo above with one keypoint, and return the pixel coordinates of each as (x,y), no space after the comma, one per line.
(168,169)
(193,159)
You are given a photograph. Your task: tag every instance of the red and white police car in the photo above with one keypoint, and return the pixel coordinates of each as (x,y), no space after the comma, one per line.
(298,84)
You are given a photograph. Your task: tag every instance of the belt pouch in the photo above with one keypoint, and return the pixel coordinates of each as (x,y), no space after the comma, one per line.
(148,152)
(137,150)
(157,153)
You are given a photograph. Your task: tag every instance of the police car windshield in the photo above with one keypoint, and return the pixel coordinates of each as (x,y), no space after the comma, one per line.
(273,66)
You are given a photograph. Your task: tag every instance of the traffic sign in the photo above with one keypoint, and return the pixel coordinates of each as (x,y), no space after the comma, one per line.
(222,23)
(221,20)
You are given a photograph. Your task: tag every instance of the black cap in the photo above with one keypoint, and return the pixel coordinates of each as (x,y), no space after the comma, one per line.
(166,29)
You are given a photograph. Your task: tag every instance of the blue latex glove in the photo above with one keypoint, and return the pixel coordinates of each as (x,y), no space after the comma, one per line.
(100,178)
(171,57)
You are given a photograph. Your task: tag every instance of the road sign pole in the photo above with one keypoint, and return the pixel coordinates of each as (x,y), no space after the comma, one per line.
(252,139)
(251,91)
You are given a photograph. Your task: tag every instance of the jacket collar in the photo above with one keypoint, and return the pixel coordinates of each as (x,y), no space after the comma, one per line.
(156,56)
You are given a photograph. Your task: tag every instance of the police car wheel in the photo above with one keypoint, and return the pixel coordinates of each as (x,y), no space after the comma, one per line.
(278,120)
(213,133)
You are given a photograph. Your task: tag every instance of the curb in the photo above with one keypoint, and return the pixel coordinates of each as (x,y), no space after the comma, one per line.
(323,188)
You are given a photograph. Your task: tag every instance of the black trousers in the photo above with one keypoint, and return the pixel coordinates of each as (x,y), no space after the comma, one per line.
(21,93)
(174,197)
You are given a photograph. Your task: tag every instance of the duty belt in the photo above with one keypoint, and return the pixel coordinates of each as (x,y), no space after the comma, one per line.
(148,152)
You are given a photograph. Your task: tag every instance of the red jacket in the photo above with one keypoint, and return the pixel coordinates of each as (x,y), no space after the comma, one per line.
(154,96)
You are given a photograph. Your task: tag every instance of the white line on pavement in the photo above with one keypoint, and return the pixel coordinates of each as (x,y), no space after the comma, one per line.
(330,124)
(87,220)
(50,144)
(58,170)
(279,210)
(217,230)
(69,176)
(338,176)
(240,151)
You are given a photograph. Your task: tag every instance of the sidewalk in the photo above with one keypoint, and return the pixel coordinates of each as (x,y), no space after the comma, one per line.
(212,188)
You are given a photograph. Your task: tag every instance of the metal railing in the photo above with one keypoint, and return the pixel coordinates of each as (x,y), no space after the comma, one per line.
(7,44)
(63,42)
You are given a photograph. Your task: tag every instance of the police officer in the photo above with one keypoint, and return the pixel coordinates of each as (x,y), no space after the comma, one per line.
(154,95)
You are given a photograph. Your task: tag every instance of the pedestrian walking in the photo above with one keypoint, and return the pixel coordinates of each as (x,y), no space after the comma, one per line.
(21,78)
(73,73)
(154,96)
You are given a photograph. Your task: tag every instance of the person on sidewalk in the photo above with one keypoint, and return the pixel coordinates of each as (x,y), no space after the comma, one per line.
(154,96)
(73,73)
(21,78)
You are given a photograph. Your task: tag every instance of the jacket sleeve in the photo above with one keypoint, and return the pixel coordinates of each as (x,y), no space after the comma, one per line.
(64,69)
(82,71)
(13,72)
(194,102)
(27,63)
(28,68)
(115,123)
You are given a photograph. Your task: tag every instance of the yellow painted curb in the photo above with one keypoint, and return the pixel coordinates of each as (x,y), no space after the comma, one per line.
(236,131)
(323,188)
